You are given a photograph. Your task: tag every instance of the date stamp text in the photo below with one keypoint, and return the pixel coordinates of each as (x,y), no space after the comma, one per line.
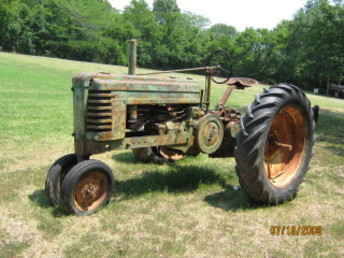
(296,230)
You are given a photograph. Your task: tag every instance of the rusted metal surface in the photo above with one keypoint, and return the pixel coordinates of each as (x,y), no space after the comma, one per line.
(79,110)
(150,91)
(285,145)
(132,54)
(226,96)
(207,92)
(204,68)
(171,154)
(172,139)
(209,133)
(131,111)
(231,120)
(108,96)
(91,191)
(96,122)
(119,117)
(227,147)
(106,115)
(242,82)
(159,140)
(145,85)
(122,110)
(228,115)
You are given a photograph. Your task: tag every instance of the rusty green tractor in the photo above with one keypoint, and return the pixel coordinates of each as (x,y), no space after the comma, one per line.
(165,119)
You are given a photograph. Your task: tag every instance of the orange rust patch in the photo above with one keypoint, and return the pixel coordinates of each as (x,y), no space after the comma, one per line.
(171,154)
(91,191)
(285,145)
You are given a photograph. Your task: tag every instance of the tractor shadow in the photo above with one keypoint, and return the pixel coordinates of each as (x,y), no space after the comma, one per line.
(126,157)
(129,158)
(178,179)
(231,199)
(40,198)
(182,179)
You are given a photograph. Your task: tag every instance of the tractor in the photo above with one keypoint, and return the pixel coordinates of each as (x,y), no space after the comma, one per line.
(164,119)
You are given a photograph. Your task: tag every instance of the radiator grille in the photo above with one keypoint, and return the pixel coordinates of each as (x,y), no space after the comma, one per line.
(99,111)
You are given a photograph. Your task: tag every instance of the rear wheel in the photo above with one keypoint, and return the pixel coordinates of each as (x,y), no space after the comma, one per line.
(87,187)
(275,144)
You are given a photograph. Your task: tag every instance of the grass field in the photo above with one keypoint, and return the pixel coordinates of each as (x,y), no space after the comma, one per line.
(190,209)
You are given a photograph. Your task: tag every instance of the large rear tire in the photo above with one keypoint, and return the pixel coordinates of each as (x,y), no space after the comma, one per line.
(274,146)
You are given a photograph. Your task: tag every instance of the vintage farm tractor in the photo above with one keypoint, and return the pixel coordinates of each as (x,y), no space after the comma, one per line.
(166,119)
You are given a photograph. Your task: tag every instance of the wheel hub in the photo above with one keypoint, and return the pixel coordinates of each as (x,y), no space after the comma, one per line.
(91,190)
(285,145)
(210,133)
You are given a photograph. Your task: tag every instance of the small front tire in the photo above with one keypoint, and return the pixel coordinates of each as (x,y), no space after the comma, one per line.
(87,187)
(55,176)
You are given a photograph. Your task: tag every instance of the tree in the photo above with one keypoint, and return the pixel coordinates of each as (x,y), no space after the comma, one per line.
(307,50)
(222,30)
(145,28)
(165,9)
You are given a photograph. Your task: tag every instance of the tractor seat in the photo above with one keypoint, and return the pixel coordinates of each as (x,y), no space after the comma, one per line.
(242,82)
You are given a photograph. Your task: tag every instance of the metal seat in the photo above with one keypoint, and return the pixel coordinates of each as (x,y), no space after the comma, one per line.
(242,82)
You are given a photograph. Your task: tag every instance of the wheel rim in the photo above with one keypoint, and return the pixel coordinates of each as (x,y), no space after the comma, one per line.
(285,145)
(171,154)
(91,191)
(210,134)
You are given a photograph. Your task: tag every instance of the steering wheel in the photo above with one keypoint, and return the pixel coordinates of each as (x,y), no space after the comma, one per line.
(219,57)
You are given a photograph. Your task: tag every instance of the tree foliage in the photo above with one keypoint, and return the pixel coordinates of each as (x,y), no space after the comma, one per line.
(307,50)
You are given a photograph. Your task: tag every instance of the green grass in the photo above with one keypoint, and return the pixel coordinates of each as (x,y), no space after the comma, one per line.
(189,209)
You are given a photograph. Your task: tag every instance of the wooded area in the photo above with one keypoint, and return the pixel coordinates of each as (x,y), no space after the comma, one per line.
(308,50)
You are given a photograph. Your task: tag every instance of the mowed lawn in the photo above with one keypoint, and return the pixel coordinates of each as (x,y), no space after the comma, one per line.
(189,209)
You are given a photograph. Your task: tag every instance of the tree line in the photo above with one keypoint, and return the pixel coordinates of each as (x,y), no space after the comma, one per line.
(307,50)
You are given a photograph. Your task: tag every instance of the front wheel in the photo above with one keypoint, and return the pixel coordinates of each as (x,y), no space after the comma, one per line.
(55,176)
(87,187)
(274,146)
